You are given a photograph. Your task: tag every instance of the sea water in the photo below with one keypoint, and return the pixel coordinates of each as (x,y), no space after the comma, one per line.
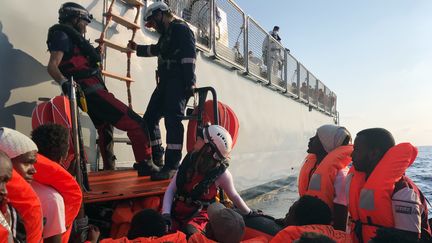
(276,203)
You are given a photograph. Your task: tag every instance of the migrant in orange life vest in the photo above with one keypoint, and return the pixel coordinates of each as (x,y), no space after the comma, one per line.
(22,197)
(200,238)
(52,174)
(292,233)
(370,200)
(177,237)
(319,180)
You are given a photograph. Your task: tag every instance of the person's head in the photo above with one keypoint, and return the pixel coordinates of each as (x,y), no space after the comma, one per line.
(214,147)
(75,15)
(21,150)
(224,225)
(392,235)
(370,145)
(308,210)
(158,15)
(327,138)
(5,176)
(313,237)
(276,28)
(52,141)
(147,223)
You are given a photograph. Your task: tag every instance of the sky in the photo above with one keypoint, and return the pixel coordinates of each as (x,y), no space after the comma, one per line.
(376,55)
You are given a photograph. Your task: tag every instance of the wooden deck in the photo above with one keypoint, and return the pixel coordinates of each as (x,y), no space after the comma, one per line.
(124,184)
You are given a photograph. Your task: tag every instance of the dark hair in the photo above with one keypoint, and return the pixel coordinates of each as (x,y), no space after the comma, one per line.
(147,223)
(392,235)
(276,27)
(378,138)
(313,237)
(311,210)
(51,140)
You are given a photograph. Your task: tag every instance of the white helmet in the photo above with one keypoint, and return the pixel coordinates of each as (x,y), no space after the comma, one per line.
(152,8)
(220,139)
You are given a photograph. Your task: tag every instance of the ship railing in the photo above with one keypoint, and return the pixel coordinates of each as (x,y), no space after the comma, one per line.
(228,34)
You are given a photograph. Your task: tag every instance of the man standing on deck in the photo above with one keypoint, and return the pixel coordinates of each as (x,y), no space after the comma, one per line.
(176,81)
(380,194)
(73,56)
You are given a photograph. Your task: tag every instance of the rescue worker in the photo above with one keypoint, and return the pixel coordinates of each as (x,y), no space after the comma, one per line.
(176,81)
(308,214)
(195,184)
(73,56)
(325,168)
(380,194)
(11,224)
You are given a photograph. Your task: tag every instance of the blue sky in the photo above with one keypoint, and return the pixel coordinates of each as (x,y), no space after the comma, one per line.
(375,54)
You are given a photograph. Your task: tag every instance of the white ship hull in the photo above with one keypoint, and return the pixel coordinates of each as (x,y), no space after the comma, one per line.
(274,128)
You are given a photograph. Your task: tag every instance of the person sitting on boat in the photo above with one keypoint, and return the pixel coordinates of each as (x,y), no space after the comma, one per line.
(195,184)
(52,141)
(224,226)
(23,152)
(146,225)
(71,55)
(11,224)
(380,194)
(308,214)
(325,168)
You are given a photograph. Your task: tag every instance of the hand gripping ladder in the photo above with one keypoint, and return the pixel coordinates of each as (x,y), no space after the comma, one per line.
(103,42)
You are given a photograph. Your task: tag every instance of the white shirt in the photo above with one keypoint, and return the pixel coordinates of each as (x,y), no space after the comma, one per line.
(339,187)
(53,209)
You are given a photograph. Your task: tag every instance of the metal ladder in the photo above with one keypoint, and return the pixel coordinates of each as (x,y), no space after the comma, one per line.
(103,42)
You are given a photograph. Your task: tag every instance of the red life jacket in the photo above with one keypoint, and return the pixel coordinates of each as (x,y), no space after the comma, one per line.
(291,233)
(22,197)
(370,201)
(177,237)
(52,174)
(319,180)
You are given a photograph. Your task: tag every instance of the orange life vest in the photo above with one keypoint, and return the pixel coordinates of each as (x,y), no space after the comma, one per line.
(177,237)
(22,197)
(319,180)
(291,233)
(52,174)
(4,234)
(200,238)
(370,201)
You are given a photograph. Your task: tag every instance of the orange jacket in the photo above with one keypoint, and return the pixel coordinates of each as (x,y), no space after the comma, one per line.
(200,238)
(22,197)
(291,233)
(177,237)
(320,183)
(370,201)
(52,174)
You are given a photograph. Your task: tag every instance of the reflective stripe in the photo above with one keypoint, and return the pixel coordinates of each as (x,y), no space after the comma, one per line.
(187,60)
(367,199)
(149,51)
(174,146)
(315,182)
(155,142)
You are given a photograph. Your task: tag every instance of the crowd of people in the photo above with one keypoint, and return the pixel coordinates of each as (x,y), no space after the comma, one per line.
(348,191)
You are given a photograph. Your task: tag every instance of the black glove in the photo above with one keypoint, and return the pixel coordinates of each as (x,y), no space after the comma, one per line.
(189,91)
(66,88)
(168,220)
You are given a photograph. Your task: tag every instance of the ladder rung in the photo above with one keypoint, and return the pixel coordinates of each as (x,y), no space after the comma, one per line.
(134,2)
(111,75)
(113,45)
(119,19)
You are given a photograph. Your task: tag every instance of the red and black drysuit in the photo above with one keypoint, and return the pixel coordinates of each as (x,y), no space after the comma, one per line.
(81,61)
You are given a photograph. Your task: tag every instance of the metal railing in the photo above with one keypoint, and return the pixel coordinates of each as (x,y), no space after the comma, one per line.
(223,30)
